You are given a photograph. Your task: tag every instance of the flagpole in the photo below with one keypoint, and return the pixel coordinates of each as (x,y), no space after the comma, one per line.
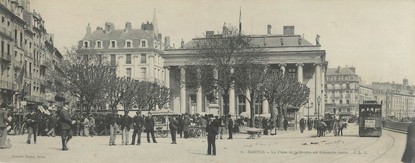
(240,17)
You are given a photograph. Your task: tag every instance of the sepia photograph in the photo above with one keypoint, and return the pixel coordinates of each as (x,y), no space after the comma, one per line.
(207,81)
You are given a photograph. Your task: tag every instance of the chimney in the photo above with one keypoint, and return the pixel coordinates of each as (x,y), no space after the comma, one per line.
(167,42)
(88,29)
(288,30)
(159,37)
(128,26)
(338,69)
(209,34)
(107,27)
(269,29)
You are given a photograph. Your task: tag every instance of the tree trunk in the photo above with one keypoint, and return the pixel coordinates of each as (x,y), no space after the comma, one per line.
(273,116)
(280,117)
(251,104)
(226,103)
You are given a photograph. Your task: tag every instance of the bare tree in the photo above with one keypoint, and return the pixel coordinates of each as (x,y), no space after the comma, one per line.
(129,90)
(251,77)
(283,91)
(85,76)
(165,96)
(217,55)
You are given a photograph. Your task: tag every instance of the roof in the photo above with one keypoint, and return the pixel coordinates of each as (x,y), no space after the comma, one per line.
(120,34)
(340,71)
(266,41)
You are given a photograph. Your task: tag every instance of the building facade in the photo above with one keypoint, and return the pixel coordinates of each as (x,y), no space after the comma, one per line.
(398,99)
(342,91)
(290,52)
(136,53)
(26,47)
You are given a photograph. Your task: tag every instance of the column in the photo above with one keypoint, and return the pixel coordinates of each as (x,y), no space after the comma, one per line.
(167,84)
(198,94)
(232,101)
(167,76)
(182,90)
(318,89)
(265,107)
(300,72)
(323,83)
(232,97)
(247,106)
(300,79)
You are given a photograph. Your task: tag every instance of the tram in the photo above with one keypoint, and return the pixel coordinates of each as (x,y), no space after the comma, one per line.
(370,119)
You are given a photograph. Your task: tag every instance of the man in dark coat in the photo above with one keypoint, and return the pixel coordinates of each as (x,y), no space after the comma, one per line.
(180,126)
(230,126)
(150,128)
(125,128)
(138,123)
(212,131)
(285,124)
(65,123)
(265,125)
(409,154)
(173,129)
(302,125)
(32,126)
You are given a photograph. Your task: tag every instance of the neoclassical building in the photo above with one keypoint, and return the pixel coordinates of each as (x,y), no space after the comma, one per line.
(287,51)
(133,52)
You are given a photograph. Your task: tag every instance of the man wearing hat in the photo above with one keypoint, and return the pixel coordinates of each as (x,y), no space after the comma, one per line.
(150,128)
(66,122)
(138,127)
(3,127)
(32,126)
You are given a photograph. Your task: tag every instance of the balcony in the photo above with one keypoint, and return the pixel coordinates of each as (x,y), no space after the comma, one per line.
(7,85)
(43,64)
(6,33)
(5,58)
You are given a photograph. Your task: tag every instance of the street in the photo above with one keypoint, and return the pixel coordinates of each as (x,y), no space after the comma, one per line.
(287,146)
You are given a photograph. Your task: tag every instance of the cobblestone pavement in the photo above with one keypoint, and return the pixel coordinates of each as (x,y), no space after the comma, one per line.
(287,146)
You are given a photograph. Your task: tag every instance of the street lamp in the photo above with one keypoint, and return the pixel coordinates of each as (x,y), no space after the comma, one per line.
(318,108)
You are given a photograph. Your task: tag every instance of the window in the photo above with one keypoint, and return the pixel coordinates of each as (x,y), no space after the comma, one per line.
(143,43)
(143,72)
(99,44)
(128,59)
(292,73)
(86,44)
(113,44)
(241,99)
(113,60)
(347,101)
(128,70)
(128,43)
(341,101)
(347,86)
(143,58)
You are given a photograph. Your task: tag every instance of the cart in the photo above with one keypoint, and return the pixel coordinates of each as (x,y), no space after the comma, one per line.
(161,122)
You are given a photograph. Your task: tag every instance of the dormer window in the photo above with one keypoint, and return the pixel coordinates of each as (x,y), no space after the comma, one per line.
(86,44)
(143,43)
(98,44)
(113,44)
(128,43)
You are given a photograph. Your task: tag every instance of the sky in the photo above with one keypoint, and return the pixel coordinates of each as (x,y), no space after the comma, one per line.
(375,36)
